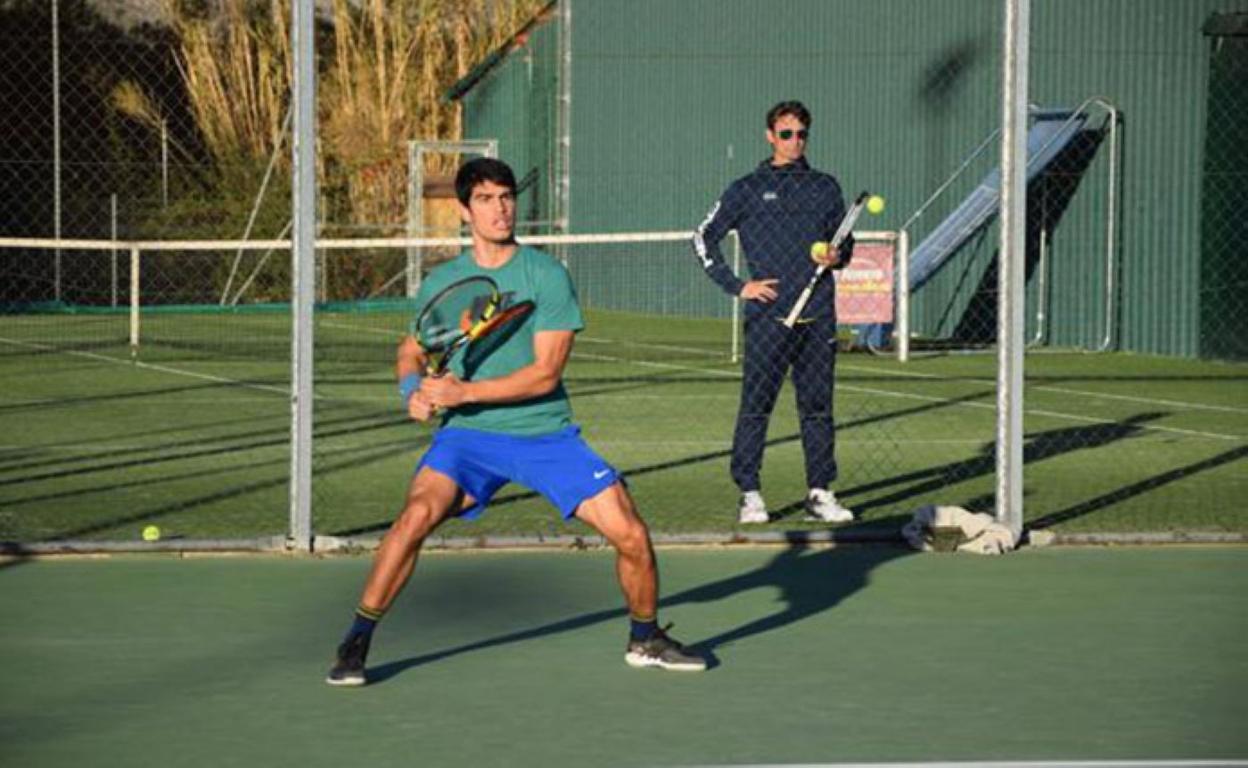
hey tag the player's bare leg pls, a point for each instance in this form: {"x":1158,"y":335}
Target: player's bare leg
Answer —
{"x":431,"y":496}
{"x":613,"y":514}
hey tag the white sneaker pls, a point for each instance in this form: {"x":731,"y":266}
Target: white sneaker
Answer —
{"x":752,"y":509}
{"x":822,"y":505}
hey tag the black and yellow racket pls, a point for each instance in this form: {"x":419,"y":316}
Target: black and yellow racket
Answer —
{"x":838,"y":239}
{"x":459,"y":315}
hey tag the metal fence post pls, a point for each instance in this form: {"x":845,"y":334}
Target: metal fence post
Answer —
{"x":1012,"y":259}
{"x":303,"y":272}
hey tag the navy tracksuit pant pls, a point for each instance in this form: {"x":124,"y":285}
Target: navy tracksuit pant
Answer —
{"x":808,"y":350}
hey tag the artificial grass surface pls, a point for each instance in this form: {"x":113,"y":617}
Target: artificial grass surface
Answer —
{"x":194,"y":436}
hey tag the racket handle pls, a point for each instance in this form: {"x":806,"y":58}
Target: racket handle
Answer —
{"x":838,"y":238}
{"x":803,"y":299}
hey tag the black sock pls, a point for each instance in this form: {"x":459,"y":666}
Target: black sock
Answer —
{"x":642,"y":628}
{"x":365,"y":622}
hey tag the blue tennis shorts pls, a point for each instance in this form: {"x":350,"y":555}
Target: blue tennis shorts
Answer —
{"x":561,"y":466}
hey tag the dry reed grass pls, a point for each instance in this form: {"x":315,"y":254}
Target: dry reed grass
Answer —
{"x":383,"y":67}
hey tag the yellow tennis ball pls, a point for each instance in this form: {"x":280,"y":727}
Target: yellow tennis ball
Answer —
{"x":818,"y":250}
{"x":151,"y":533}
{"x":875,"y":204}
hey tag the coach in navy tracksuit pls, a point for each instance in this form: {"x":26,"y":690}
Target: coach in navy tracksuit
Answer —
{"x":778,"y":211}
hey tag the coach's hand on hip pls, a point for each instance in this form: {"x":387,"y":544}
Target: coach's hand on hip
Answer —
{"x":759,"y":290}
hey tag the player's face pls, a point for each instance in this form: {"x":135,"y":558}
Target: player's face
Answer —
{"x":787,"y":139}
{"x":491,"y":212}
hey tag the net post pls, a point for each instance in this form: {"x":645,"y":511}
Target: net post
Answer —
{"x":903,"y":296}
{"x":415,"y":216}
{"x":134,"y":301}
{"x":736,"y":300}
{"x":112,"y":208}
{"x":1111,"y":212}
{"x":56,"y":145}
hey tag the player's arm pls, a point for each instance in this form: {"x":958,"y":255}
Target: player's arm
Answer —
{"x":410,"y":363}
{"x":551,"y":350}
{"x":409,"y":358}
{"x":722,"y":218}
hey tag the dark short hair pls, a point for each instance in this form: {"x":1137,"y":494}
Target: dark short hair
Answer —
{"x":482,"y":169}
{"x":794,"y":108}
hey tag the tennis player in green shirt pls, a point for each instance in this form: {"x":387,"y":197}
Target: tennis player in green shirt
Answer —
{"x":505,"y":417}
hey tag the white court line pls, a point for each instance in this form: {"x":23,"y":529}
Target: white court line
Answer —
{"x":14,"y":403}
{"x":1063,"y":390}
{"x":586,"y":339}
{"x":1008,"y":764}
{"x":931,"y":399}
{"x":396,"y":335}
{"x":661,"y":366}
{"x":1148,"y":400}
{"x":642,"y":345}
{"x":847,"y":441}
{"x":1042,"y":412}
{"x":148,"y":366}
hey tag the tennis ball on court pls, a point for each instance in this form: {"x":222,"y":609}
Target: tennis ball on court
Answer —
{"x":875,"y":204}
{"x":818,"y":250}
{"x":151,"y":533}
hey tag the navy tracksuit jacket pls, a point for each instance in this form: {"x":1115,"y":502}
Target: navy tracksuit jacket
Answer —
{"x":777,"y":213}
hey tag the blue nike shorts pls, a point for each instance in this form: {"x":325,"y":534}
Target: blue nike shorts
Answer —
{"x":561,"y":466}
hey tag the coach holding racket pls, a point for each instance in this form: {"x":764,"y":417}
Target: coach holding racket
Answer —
{"x":505,"y":416}
{"x":781,"y":211}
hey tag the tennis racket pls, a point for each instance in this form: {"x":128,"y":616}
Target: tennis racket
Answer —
{"x":842,"y":232}
{"x":460,"y":314}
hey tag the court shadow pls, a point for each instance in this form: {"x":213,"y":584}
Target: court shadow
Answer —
{"x":1135,"y":489}
{"x":348,"y":459}
{"x":192,"y":447}
{"x":921,"y":484}
{"x":809,"y":581}
{"x":12,"y":561}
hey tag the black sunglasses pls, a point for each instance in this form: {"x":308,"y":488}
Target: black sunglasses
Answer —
{"x":787,"y":134}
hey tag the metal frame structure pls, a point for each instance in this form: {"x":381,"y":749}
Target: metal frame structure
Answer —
{"x":1111,"y":232}
{"x":416,"y":151}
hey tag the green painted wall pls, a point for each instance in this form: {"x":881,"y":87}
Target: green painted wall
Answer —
{"x":515,"y":103}
{"x":668,"y":103}
{"x":1224,"y":227}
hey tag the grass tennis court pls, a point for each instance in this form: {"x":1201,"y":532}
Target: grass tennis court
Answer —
{"x":194,"y":435}
{"x":514,"y":658}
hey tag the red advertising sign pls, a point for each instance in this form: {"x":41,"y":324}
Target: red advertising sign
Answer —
{"x":864,"y":289}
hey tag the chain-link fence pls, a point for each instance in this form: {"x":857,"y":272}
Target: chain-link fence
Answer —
{"x":154,"y":384}
{"x":1223,"y":306}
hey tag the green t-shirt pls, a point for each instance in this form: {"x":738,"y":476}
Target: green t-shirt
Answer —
{"x":532,"y":275}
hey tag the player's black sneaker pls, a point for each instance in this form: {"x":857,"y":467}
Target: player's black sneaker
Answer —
{"x":349,"y":667}
{"x":663,"y":652}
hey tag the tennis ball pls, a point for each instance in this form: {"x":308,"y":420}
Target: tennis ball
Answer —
{"x":818,"y":250}
{"x":151,"y":533}
{"x":875,"y":204}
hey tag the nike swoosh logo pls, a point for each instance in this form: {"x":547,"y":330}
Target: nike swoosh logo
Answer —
{"x":601,"y":474}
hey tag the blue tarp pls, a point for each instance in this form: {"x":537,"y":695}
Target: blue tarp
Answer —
{"x":1051,"y":131}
